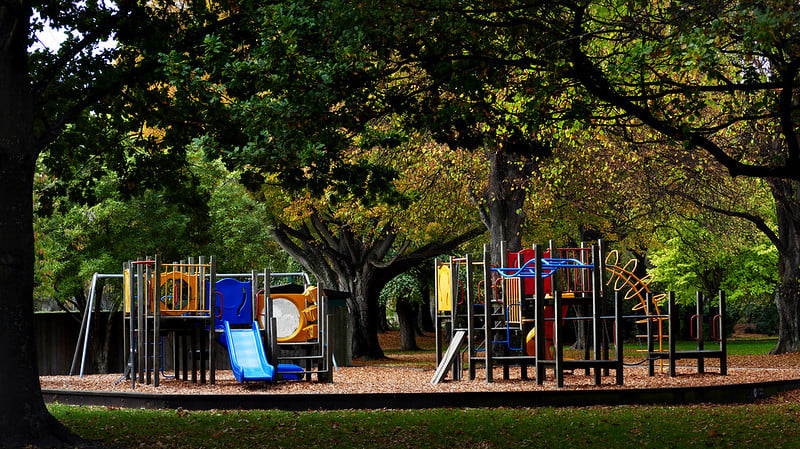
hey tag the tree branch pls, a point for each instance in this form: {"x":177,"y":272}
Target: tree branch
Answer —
{"x":595,"y":82}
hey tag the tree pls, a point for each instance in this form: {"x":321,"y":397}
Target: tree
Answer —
{"x":718,"y":79}
{"x":48,"y":99}
{"x":23,"y":416}
{"x":404,"y":294}
{"x":238,"y":232}
{"x":702,"y":254}
{"x":75,"y":241}
{"x":341,"y":258}
{"x":358,"y":249}
{"x":282,"y":98}
{"x":711,"y":77}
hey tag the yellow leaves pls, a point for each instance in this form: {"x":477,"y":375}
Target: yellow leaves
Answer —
{"x":152,"y":133}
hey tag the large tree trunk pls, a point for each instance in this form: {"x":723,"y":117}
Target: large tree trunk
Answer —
{"x":24,"y":419}
{"x":787,"y":295}
{"x":366,"y":318}
{"x":502,"y":207}
{"x":425,"y":317}
{"x":339,"y":257}
{"x":407,"y":317}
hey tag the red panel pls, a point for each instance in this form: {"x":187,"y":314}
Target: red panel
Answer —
{"x":530,"y":283}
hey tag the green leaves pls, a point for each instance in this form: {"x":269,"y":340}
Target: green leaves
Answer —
{"x":404,"y":287}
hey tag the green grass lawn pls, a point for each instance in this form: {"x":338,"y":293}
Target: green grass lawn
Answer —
{"x":773,"y":426}
{"x":768,"y":425}
{"x":734,"y":347}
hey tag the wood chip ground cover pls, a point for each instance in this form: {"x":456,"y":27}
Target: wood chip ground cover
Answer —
{"x":411,"y":372}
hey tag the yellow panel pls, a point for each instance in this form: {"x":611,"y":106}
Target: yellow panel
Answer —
{"x":444,"y":302}
{"x":513,"y":299}
{"x":126,"y":290}
{"x":299,"y":301}
{"x":310,"y":313}
{"x":180,"y":305}
{"x":311,"y":294}
{"x":306,"y":305}
{"x":311,"y":332}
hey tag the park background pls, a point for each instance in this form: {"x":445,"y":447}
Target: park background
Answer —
{"x":365,"y":138}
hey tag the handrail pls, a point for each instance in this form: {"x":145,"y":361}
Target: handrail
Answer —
{"x":693,"y":327}
{"x":549,"y":266}
{"x":716,"y":335}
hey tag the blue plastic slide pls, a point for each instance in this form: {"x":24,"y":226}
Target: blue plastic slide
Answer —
{"x":248,"y":360}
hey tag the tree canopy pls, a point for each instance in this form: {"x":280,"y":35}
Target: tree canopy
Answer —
{"x":301,"y":94}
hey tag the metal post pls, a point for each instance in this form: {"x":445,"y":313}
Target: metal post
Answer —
{"x":618,"y":336}
{"x":557,"y":348}
{"x":673,"y":332}
{"x":540,"y":339}
{"x":469,"y":300}
{"x":597,"y":325}
{"x":487,"y":311}
{"x":699,"y":329}
{"x":149,"y":343}
{"x":254,"y":312}
{"x":586,"y":284}
{"x":555,"y":278}
{"x":603,"y":303}
{"x":723,"y":339}
{"x":328,"y":350}
{"x":322,"y":333}
{"x":273,"y":351}
{"x":454,"y":314}
{"x":152,"y":294}
{"x":140,"y":321}
{"x":504,"y":301}
{"x":131,"y":324}
{"x":523,"y":312}
{"x":211,"y":295}
{"x":262,"y":313}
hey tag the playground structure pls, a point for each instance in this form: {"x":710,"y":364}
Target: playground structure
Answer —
{"x":169,"y":314}
{"x":514,"y":315}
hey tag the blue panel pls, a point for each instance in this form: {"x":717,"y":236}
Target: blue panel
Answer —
{"x":234,"y":302}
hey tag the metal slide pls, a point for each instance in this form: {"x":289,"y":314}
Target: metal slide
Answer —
{"x":248,"y":360}
{"x":449,"y":356}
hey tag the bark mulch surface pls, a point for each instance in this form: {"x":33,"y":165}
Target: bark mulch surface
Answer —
{"x":411,"y":372}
